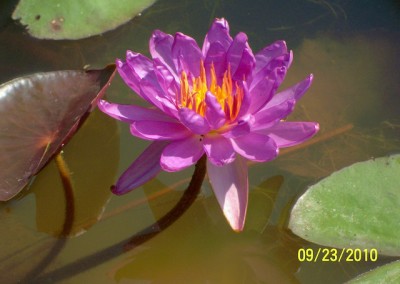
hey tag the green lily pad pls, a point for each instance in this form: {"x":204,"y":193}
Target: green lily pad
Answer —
{"x":389,"y":273}
{"x":356,"y":207}
{"x":76,"y":19}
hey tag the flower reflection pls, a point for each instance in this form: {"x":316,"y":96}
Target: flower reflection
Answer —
{"x":219,"y":100}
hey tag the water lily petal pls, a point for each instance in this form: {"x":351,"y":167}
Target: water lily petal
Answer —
{"x":246,"y":65}
{"x":269,"y":116}
{"x":159,"y":130}
{"x":214,"y":113}
{"x":256,"y":147}
{"x":182,"y":154}
{"x":246,"y":101}
{"x":132,"y":113}
{"x":219,"y":32}
{"x":216,"y":57}
{"x":139,"y":64}
{"x":265,"y":82}
{"x":242,"y":127}
{"x":230,"y":185}
{"x":186,"y":54}
{"x":130,"y":78}
{"x":161,"y":49}
{"x":165,"y":78}
{"x":218,"y":149}
{"x":143,"y":169}
{"x":286,"y":134}
{"x":265,"y":55}
{"x":138,"y":73}
{"x":293,"y":93}
{"x":240,"y":58}
{"x":262,"y":93}
{"x":179,"y":53}
{"x":193,"y":121}
{"x":215,"y":47}
{"x":150,"y":87}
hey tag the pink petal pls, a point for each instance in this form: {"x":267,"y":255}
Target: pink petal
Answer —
{"x":176,"y":53}
{"x":215,"y":47}
{"x":214,"y":113}
{"x":247,"y":98}
{"x":150,"y":88}
{"x":166,"y":79}
{"x":182,"y":154}
{"x":264,"y":56}
{"x":216,"y":56}
{"x":269,"y":116}
{"x":242,"y":127}
{"x":286,"y":134}
{"x":219,"y":32}
{"x":161,"y":49}
{"x":129,"y":77}
{"x":138,"y":73}
{"x":193,"y":121}
{"x":293,"y":93}
{"x":262,"y":94}
{"x":132,"y":113}
{"x":265,"y":82}
{"x":186,"y":54}
{"x":159,"y":130}
{"x":143,"y":169}
{"x":140,"y":65}
{"x":218,"y":149}
{"x":255,"y":147}
{"x":230,"y":185}
{"x":240,"y":57}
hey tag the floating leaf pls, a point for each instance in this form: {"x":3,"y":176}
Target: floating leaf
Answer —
{"x":389,"y":273}
{"x":356,"y":207}
{"x":39,"y":113}
{"x":75,"y":19}
{"x":96,"y":144}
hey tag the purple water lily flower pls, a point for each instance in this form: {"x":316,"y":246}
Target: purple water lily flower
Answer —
{"x":219,"y":100}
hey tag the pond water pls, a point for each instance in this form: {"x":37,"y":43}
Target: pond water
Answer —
{"x":351,"y":47}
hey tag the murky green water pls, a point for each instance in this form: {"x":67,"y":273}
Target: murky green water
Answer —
{"x":352,"y":49}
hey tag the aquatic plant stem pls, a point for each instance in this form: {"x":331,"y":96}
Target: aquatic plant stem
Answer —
{"x":65,"y":176}
{"x":93,"y":260}
{"x":181,"y":207}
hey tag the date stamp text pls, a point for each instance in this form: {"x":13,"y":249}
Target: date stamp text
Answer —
{"x":337,"y":255}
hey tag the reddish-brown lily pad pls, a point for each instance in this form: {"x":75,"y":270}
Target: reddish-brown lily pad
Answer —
{"x":38,"y":115}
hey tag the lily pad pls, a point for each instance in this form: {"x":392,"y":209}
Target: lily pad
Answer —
{"x":356,"y":207}
{"x":95,"y":144}
{"x":76,"y":19}
{"x":389,"y":273}
{"x":39,"y":113}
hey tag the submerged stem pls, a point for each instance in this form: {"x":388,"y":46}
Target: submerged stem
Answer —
{"x":82,"y":264}
{"x":65,"y":176}
{"x":187,"y":199}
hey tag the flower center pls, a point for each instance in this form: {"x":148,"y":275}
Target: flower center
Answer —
{"x":193,"y":92}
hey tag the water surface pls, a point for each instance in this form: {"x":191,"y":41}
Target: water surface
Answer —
{"x":352,"y":49}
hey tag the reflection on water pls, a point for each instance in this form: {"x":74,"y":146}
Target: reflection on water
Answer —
{"x":352,"y":49}
{"x":91,"y":179}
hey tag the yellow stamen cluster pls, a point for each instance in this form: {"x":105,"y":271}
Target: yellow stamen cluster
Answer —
{"x":193,"y":95}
